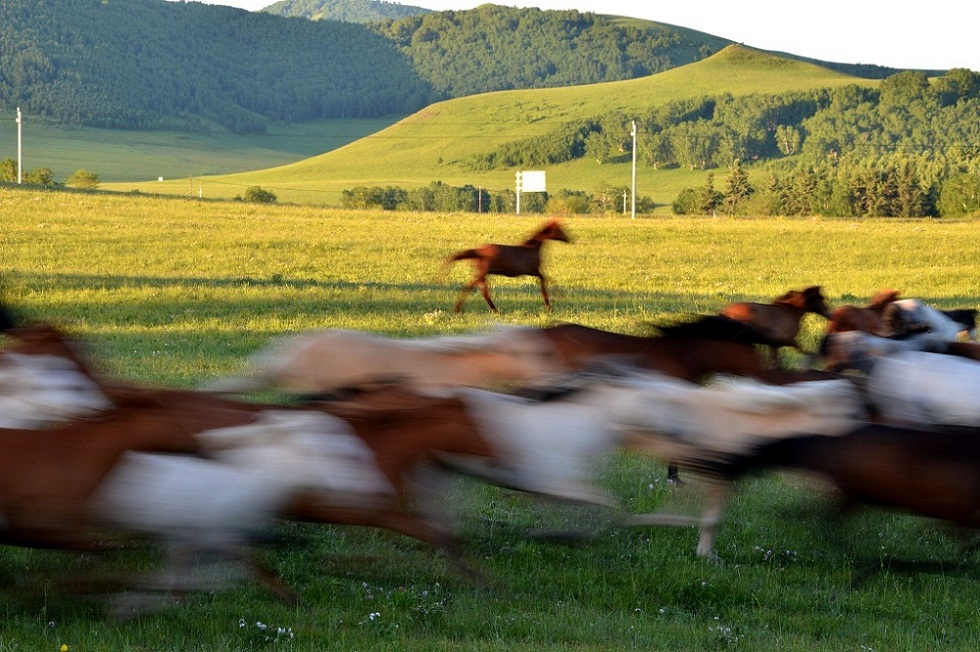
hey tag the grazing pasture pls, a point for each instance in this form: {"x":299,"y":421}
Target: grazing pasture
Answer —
{"x":179,"y":292}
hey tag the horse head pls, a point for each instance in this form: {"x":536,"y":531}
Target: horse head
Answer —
{"x":552,"y":231}
{"x":810,"y":299}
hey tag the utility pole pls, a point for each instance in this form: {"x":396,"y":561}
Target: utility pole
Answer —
{"x":20,"y":149}
{"x":633,"y":202}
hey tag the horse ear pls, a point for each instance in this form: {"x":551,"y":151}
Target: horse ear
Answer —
{"x":812,"y":290}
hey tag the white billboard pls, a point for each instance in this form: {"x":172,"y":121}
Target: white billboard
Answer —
{"x":531,"y":181}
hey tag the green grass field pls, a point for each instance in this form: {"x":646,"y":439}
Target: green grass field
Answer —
{"x":177,"y":291}
{"x":118,"y":155}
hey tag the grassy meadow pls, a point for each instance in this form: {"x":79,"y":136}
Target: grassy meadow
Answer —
{"x":177,"y":291}
{"x":119,"y":155}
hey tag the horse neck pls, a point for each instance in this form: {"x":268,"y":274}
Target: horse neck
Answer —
{"x":795,"y":308}
{"x":534,"y":242}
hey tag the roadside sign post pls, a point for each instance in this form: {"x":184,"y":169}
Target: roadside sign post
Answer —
{"x":529,"y":181}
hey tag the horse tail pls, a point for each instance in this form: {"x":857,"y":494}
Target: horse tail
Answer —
{"x":466,"y":254}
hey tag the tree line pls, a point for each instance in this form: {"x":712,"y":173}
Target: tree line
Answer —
{"x":446,"y":198}
{"x":909,"y":147}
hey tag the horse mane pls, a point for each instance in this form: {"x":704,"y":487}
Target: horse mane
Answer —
{"x":542,"y":233}
{"x":798,"y":298}
{"x":883,"y":298}
{"x":714,"y":327}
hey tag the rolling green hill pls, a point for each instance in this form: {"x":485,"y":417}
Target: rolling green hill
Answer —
{"x":438,"y":142}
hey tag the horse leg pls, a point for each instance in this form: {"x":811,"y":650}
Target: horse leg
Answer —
{"x":711,"y":515}
{"x":485,"y":288}
{"x":544,"y":292}
{"x":465,"y":293}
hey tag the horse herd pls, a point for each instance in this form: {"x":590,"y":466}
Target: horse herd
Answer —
{"x":885,"y":413}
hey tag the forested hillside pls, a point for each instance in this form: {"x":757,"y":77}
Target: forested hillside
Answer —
{"x":148,"y":64}
{"x":352,"y":11}
{"x":499,"y":48}
{"x":144,"y":64}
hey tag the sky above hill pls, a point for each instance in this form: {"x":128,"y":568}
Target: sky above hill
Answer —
{"x":935,"y":35}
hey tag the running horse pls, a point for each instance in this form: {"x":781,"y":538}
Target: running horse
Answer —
{"x":780,"y":320}
{"x":869,"y":319}
{"x":691,"y":350}
{"x":508,"y":260}
{"x":923,"y":470}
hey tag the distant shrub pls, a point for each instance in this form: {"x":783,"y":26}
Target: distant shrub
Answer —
{"x":82,"y":179}
{"x":256,"y":195}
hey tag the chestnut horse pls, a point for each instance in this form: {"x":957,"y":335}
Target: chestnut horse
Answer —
{"x":403,"y":430}
{"x":780,"y":320}
{"x":508,"y":260}
{"x":868,"y":319}
{"x":408,"y":432}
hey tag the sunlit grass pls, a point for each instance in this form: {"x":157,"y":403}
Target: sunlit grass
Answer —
{"x":178,"y":291}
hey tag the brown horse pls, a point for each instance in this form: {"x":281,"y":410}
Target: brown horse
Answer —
{"x":868,"y":319}
{"x":780,"y":320}
{"x":690,"y":351}
{"x":44,"y":498}
{"x":407,"y":433}
{"x":933,"y":473}
{"x":50,"y":480}
{"x":508,"y":260}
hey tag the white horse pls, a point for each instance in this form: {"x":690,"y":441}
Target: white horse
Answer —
{"x":940,"y":323}
{"x":922,"y":389}
{"x":39,"y":391}
{"x":222,"y":503}
{"x":859,"y":351}
{"x":555,"y":446}
{"x":320,"y":362}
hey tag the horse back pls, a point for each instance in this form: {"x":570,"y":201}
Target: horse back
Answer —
{"x":780,"y":323}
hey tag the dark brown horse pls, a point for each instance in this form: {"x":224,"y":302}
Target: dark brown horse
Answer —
{"x":780,"y":320}
{"x":508,"y":260}
{"x":690,"y":351}
{"x":931,"y":473}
